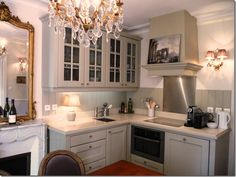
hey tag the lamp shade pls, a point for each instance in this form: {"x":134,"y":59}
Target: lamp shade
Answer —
{"x":210,"y":55}
{"x":71,"y":100}
{"x":221,"y":53}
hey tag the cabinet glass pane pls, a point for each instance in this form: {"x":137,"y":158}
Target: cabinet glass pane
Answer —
{"x":128,"y":63}
{"x":99,"y":43}
{"x":117,"y":75}
{"x":133,"y":50}
{"x":92,"y":58}
{"x":133,"y":63}
{"x":68,"y":36}
{"x":128,"y":76}
{"x":112,"y":45}
{"x":133,"y":76}
{"x":117,"y":46}
{"x":112,"y":75}
{"x":67,"y":54}
{"x":75,"y":55}
{"x":92,"y":46}
{"x":99,"y":75}
{"x":67,"y":74}
{"x":129,"y":49}
{"x":117,"y":61}
{"x":91,"y":74}
{"x":112,"y":60}
{"x":99,"y":58}
{"x":75,"y":73}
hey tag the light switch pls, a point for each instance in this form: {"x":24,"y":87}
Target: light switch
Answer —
{"x":54,"y":107}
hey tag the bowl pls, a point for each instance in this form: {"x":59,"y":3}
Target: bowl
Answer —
{"x":212,"y":125}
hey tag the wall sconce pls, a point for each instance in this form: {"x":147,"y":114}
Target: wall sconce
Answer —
{"x":215,"y":58}
{"x":3,"y":50}
{"x":22,"y":64}
{"x":72,"y":101}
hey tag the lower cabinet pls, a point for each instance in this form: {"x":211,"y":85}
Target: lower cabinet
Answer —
{"x":185,"y":155}
{"x":116,"y":144}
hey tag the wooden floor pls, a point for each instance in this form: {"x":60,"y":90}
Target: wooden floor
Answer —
{"x":124,"y":168}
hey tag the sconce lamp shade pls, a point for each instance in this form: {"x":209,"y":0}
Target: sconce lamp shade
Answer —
{"x":221,"y":53}
{"x":210,"y":55}
{"x":71,"y":100}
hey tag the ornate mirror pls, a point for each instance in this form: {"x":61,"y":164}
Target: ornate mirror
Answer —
{"x":16,"y":63}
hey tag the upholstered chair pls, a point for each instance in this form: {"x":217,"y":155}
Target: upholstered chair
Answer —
{"x":61,"y":163}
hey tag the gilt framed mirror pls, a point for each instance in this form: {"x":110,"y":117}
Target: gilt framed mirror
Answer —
{"x":16,"y":63}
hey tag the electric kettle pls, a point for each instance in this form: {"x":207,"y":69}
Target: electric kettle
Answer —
{"x":223,"y":119}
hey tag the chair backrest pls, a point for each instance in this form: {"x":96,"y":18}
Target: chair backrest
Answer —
{"x":61,"y":163}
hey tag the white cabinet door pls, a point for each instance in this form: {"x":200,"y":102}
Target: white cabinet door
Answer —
{"x":131,"y":63}
{"x":116,"y":144}
{"x":185,"y":155}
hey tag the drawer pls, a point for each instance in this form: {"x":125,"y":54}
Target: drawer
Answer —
{"x":89,"y":168}
{"x":88,"y":137}
{"x":148,"y":163}
{"x":91,"y":152}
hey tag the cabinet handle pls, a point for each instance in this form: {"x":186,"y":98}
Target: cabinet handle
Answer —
{"x":82,"y":83}
{"x":125,"y":84}
{"x":87,"y":83}
{"x":145,"y":162}
{"x":90,"y":168}
{"x":90,"y":147}
{"x":90,"y":136}
{"x":184,"y":139}
{"x":122,"y":84}
{"x":109,"y":132}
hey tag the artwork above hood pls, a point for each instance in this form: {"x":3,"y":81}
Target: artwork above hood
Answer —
{"x":178,"y":23}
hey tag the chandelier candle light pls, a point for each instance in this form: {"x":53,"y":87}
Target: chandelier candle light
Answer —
{"x":87,"y":18}
{"x":215,"y":58}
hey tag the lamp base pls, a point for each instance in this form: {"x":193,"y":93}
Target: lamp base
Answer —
{"x":71,"y":116}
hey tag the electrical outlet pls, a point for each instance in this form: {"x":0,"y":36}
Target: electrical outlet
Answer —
{"x":210,"y":109}
{"x":227,"y":110}
{"x":47,"y":107}
{"x":218,"y":109}
{"x":54,"y":107}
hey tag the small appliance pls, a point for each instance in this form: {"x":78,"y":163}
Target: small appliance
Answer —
{"x":223,"y":119}
{"x":192,"y":111}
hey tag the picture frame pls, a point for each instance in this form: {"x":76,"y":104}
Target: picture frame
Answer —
{"x":164,"y":49}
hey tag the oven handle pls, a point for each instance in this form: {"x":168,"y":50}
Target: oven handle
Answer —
{"x":147,"y":139}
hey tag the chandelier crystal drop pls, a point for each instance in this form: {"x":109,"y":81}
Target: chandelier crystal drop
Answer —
{"x":87,"y":18}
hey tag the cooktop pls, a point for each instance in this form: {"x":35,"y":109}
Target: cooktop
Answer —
{"x":166,"y":121}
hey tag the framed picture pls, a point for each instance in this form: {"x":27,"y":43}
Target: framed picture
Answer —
{"x":21,"y":79}
{"x":164,"y":49}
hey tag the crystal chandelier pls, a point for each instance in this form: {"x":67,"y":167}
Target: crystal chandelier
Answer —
{"x":87,"y":18}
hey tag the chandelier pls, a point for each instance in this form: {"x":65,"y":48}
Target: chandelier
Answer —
{"x":87,"y":18}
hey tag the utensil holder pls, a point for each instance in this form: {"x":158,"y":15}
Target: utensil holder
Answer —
{"x":151,"y":112}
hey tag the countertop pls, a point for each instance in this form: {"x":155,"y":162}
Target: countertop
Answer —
{"x":87,"y":123}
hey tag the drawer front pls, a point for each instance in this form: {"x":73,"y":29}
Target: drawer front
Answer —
{"x":147,"y":163}
{"x":91,"y":152}
{"x":88,"y":137}
{"x":91,"y":167}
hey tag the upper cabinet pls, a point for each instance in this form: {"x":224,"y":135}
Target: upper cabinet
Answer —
{"x":105,"y":65}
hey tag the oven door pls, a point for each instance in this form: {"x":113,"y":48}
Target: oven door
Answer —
{"x":148,"y":143}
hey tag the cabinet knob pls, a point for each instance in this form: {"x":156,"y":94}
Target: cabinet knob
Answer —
{"x":87,"y":83}
{"x":90,"y":147}
{"x":122,"y":84}
{"x":125,"y":84}
{"x":145,"y":162}
{"x":82,"y":83}
{"x":184,"y":139}
{"x":90,"y":168}
{"x":109,"y":132}
{"x":90,"y":136}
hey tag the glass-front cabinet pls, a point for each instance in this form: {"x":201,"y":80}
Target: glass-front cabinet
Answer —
{"x":71,"y":61}
{"x":95,"y":64}
{"x":114,"y":62}
{"x":131,"y":63}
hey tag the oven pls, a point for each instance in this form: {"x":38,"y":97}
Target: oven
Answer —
{"x":148,"y":143}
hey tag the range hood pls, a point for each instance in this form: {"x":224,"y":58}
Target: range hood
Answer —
{"x":182,"y":23}
{"x":172,"y":69}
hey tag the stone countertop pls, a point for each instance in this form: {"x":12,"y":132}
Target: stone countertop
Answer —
{"x":89,"y":123}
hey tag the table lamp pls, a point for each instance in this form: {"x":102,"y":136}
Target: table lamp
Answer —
{"x":71,"y":101}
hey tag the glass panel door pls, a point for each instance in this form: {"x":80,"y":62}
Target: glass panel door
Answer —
{"x":131,"y":58}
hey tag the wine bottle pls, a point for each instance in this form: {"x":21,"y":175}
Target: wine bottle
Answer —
{"x":6,"y":109}
{"x":12,"y":113}
{"x":130,"y":106}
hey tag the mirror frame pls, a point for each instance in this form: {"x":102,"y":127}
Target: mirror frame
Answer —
{"x":6,"y":16}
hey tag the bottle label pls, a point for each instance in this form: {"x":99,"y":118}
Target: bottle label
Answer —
{"x":12,"y":119}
